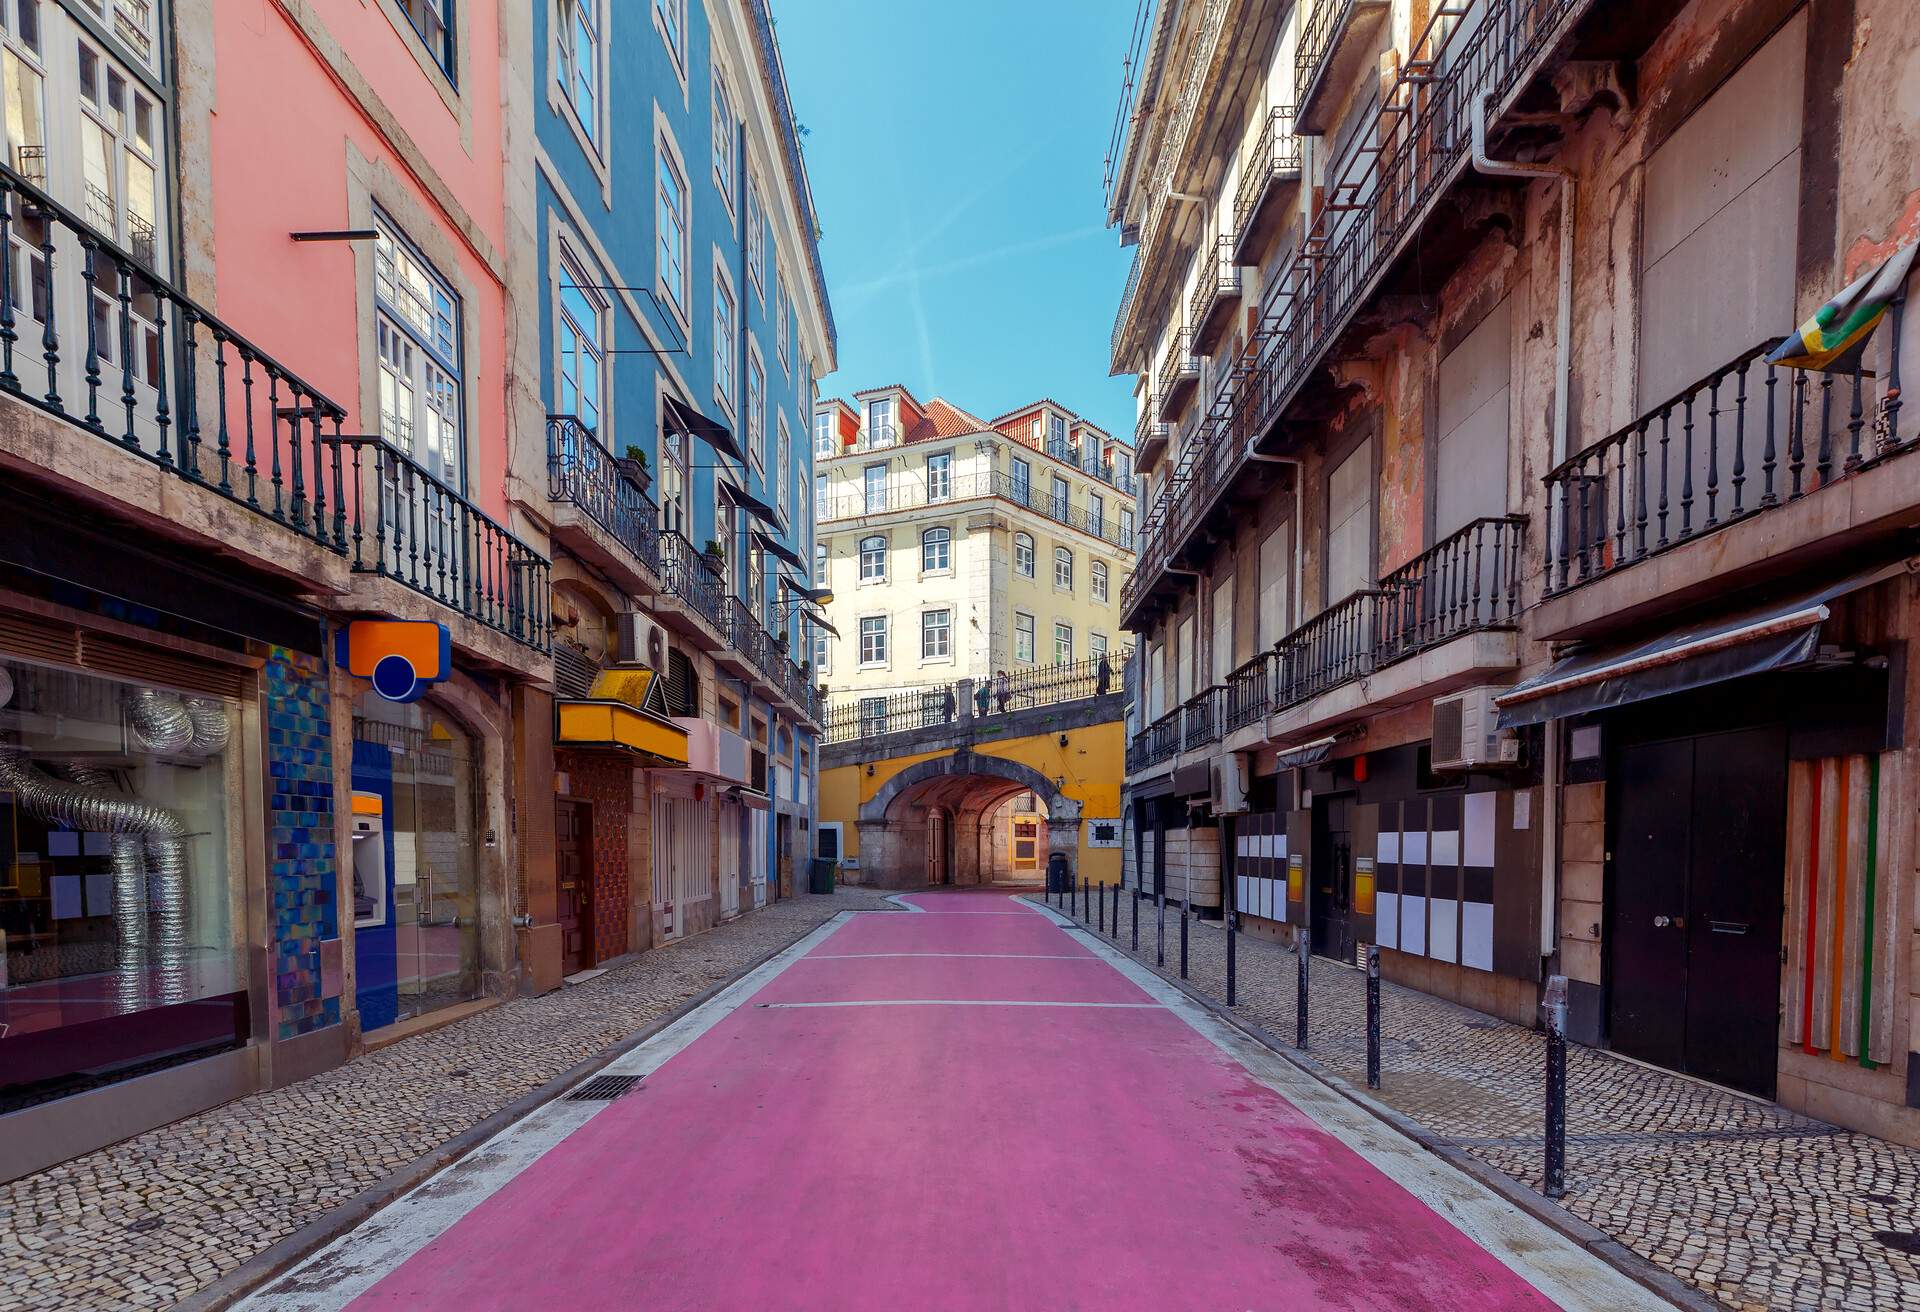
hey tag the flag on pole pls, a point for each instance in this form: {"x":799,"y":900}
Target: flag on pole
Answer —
{"x":1836,"y":334}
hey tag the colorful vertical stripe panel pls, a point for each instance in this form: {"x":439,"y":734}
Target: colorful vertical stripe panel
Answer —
{"x":1838,"y":986}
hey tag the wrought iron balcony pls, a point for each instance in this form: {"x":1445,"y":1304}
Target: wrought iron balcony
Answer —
{"x":1334,"y":43}
{"x":1163,"y":738}
{"x":850,"y":716}
{"x":1250,"y":691}
{"x":1747,"y":438}
{"x":1204,"y":711}
{"x":692,"y":578}
{"x":410,"y":526}
{"x":1179,"y":375}
{"x":1150,"y":437}
{"x":1469,"y":580}
{"x":580,"y":472}
{"x":1270,"y":175}
{"x":161,"y":378}
{"x":1215,"y":295}
{"x":856,"y":502}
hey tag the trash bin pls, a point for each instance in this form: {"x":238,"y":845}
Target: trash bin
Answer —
{"x":820,"y":879}
{"x":1059,"y":874}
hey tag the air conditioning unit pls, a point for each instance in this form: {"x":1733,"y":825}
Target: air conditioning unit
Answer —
{"x":1230,"y":784}
{"x":1464,"y":736}
{"x":643,"y":641}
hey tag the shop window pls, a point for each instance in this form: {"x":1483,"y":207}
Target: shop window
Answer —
{"x":121,"y":931}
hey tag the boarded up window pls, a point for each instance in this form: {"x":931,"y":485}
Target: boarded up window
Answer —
{"x":1276,"y":579}
{"x":1350,"y":524}
{"x":1470,"y":457}
{"x":1222,"y":645}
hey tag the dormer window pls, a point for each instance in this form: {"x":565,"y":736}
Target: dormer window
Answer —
{"x":880,"y":428}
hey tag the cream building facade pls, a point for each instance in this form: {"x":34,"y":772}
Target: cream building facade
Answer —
{"x":957,"y":548}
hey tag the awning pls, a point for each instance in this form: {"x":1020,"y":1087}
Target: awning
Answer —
{"x":751,"y":798}
{"x":748,"y":502}
{"x":683,"y":418}
{"x":1310,"y":753}
{"x":606,"y":725}
{"x":820,"y":621}
{"x":767,"y":543}
{"x":1774,"y":636}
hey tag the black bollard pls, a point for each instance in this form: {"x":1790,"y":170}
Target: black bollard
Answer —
{"x":1103,"y":908}
{"x":1373,"y":1016}
{"x":1302,"y":941}
{"x":1136,"y":920}
{"x":1086,"y":902}
{"x":1233,"y":921}
{"x":1184,"y":908}
{"x":1160,"y":928}
{"x":1555,"y":1012}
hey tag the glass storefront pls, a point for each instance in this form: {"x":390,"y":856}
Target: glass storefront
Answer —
{"x":121,"y":909}
{"x":416,"y":855}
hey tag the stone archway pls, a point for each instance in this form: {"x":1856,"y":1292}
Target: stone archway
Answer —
{"x":965,"y":787}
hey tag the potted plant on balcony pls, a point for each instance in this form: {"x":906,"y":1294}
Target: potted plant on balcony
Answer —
{"x":716,"y":554}
{"x":633,"y":468}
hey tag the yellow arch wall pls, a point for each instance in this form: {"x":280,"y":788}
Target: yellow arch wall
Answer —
{"x":1090,"y":763}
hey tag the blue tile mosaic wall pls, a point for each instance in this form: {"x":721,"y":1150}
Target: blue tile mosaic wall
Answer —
{"x":301,"y":858}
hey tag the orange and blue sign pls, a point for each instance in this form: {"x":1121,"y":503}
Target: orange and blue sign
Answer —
{"x":402,"y":658}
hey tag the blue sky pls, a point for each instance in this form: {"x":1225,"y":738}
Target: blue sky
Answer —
{"x":955,"y":153}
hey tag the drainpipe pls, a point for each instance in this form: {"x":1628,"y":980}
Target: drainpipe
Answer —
{"x":1562,"y":387}
{"x":1299,"y":508}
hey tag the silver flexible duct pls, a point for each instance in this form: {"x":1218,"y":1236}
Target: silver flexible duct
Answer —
{"x":211,"y":729}
{"x":160,"y":720}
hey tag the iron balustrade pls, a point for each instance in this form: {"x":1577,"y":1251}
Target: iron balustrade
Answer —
{"x":1250,"y":691}
{"x":89,"y":332}
{"x":692,"y":577}
{"x":1163,"y":737}
{"x":1332,"y":648}
{"x":857,"y":502}
{"x":1178,"y":371}
{"x":1219,"y":281}
{"x":1315,"y":39}
{"x":1469,"y":580}
{"x":854,"y":716}
{"x":1746,"y":438}
{"x":1374,"y":204}
{"x":1203,"y":717}
{"x":1137,"y":752}
{"x":411,"y":527}
{"x":582,"y":473}
{"x":1275,"y":155}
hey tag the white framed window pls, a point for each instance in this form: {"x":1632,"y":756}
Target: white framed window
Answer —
{"x":1023,"y":555}
{"x":1062,"y":643}
{"x":821,"y":510}
{"x":819,"y":562}
{"x":672,"y":222}
{"x":670,"y":17}
{"x":581,"y":324}
{"x":936,"y":634}
{"x":874,"y":483}
{"x":1063,"y":569}
{"x":725,"y":135}
{"x":940,"y":477}
{"x":782,"y":329}
{"x":783,"y":465}
{"x":1056,"y":433}
{"x":756,"y":237}
{"x":822,"y":653}
{"x":936,"y":550}
{"x":1099,"y":572}
{"x":1097,"y":514}
{"x":725,"y":308}
{"x":756,"y":407}
{"x":431,"y":20}
{"x":1023,"y":637}
{"x":873,"y":640}
{"x":1022,"y":481}
{"x":1126,"y":528}
{"x":577,"y":42}
{"x":873,"y":559}
{"x":417,"y":329}
{"x":673,"y":481}
{"x":1096,"y":646}
{"x":880,"y":421}
{"x":823,"y":435}
{"x":1062,"y":498}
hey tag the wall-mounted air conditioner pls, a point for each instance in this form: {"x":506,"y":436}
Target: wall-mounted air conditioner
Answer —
{"x":1230,"y":783}
{"x":1464,"y":732}
{"x":643,"y":641}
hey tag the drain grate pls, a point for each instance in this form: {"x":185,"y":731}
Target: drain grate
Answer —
{"x":1901,"y":1241}
{"x":604,"y":1088}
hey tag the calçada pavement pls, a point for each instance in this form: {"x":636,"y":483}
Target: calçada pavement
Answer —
{"x":975,"y":1107}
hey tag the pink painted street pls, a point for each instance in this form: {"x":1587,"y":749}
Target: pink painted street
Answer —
{"x":969,"y":1107}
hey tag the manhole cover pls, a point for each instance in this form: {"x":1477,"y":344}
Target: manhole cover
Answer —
{"x":604,"y":1088}
{"x":1904,"y":1241}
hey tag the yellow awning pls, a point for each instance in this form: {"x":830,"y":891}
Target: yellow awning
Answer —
{"x":615,"y":726}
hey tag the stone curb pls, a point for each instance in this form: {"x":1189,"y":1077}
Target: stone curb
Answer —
{"x":280,"y":1257}
{"x":1591,"y":1238}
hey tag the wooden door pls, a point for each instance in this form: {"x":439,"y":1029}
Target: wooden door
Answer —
{"x":573,"y":868}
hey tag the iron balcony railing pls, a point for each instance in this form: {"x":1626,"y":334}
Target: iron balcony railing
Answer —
{"x":1203,"y":720}
{"x":410,"y":526}
{"x":1381,"y":195}
{"x":1468,"y":580}
{"x":1163,"y":737}
{"x":856,"y":502}
{"x":851,"y":715}
{"x":1315,"y":40}
{"x":1333,"y":647}
{"x":1250,"y":692}
{"x":881,"y":437}
{"x":1746,"y":438}
{"x":1217,"y":285}
{"x":1275,"y":156}
{"x":1179,"y":371}
{"x":90,"y":333}
{"x":581,"y":472}
{"x":692,"y":577}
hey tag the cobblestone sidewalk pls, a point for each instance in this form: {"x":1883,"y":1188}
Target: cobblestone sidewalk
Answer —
{"x":1755,"y":1205}
{"x":151,"y":1220}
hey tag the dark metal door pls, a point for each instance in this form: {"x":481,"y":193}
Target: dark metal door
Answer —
{"x":1648,"y":937}
{"x":1734,"y":908}
{"x":1332,"y":872}
{"x":573,"y":848}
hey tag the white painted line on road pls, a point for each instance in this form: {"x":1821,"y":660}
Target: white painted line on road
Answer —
{"x":1553,"y":1264}
{"x":903,"y":904}
{"x":962,"y":1002}
{"x":964,"y":956}
{"x":352,"y":1264}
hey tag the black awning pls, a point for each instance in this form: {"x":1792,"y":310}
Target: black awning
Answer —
{"x":774,"y":548}
{"x":1193,"y":780}
{"x":1310,"y":753}
{"x":821,"y":621}
{"x":747,"y":501}
{"x":683,"y":418}
{"x":1773,"y":636}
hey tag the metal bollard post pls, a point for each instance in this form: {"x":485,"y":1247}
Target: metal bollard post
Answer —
{"x":1103,"y":908}
{"x":1160,"y":922}
{"x":1554,"y":1010}
{"x":1233,"y":922}
{"x":1302,"y":941}
{"x":1136,"y":920}
{"x":1373,"y":1016}
{"x":1085,"y":903}
{"x":1184,"y":908}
